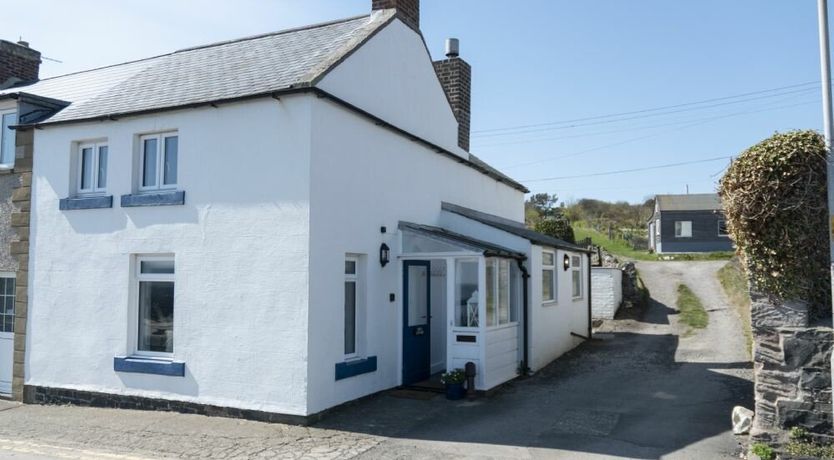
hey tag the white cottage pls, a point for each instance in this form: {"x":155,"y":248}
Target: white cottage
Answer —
{"x":272,"y":226}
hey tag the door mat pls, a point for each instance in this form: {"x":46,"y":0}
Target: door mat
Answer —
{"x":413,"y":394}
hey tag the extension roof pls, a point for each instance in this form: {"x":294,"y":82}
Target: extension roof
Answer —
{"x":694,"y":202}
{"x":512,"y":227}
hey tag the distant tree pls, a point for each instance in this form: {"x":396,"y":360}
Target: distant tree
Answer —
{"x":540,"y":206}
{"x":557,"y":226}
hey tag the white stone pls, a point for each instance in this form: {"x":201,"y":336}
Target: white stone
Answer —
{"x":742,"y":420}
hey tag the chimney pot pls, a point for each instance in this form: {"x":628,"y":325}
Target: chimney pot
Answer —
{"x":452,"y":48}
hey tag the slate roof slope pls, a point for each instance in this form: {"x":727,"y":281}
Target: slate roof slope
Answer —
{"x":512,"y":227}
{"x":693,"y":202}
{"x":222,"y":71}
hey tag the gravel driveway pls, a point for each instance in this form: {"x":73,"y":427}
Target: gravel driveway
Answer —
{"x":637,"y":391}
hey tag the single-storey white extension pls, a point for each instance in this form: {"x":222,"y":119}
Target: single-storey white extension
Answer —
{"x":272,"y":226}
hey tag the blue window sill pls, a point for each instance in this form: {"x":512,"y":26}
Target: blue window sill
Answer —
{"x":86,"y":202}
{"x":356,"y":367}
{"x":143,"y":365}
{"x":171,"y":198}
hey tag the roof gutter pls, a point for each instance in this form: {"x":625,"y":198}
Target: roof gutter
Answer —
{"x":301,"y":89}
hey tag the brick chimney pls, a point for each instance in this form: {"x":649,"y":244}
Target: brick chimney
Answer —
{"x":408,"y":11}
{"x":18,"y":63}
{"x":455,"y":76}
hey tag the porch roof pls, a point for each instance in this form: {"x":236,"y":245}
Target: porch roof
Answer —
{"x":488,"y":249}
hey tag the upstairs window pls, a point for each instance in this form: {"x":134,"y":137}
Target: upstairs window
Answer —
{"x":7,"y":139}
{"x":683,"y":229}
{"x":351,"y":280}
{"x":92,"y":168}
{"x":158,"y":161}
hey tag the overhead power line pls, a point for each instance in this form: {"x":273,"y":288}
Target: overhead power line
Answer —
{"x":624,"y":171}
{"x":608,"y":119}
{"x":690,"y":124}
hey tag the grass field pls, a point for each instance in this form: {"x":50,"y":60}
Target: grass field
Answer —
{"x":622,"y":249}
{"x":734,"y":282}
{"x":692,"y":312}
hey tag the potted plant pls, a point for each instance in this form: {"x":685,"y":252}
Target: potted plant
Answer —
{"x":454,"y":383}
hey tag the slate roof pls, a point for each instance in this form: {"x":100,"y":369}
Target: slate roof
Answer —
{"x":457,"y":239}
{"x":229,"y":70}
{"x":693,"y":202}
{"x":512,"y":227}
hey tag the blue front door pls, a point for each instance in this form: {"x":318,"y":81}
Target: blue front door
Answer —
{"x":416,"y":320}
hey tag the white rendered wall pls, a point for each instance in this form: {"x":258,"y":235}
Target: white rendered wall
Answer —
{"x":366,"y":177}
{"x":606,"y":292}
{"x":392,"y":76}
{"x":241,"y":248}
{"x":551,"y":323}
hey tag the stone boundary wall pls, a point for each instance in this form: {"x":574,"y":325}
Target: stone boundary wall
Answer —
{"x":792,"y":368}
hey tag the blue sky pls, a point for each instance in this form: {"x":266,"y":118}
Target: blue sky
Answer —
{"x":535,"y":65}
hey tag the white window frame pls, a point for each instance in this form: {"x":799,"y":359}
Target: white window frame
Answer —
{"x":679,"y":226}
{"x":496,"y":288}
{"x":723,"y":235}
{"x":95,"y":189}
{"x":576,"y":268}
{"x":138,"y":277}
{"x":10,"y":165}
{"x":160,"y":162}
{"x":553,"y":279}
{"x":352,"y":278}
{"x":11,"y":276}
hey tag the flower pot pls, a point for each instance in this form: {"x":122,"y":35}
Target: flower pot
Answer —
{"x":455,"y":391}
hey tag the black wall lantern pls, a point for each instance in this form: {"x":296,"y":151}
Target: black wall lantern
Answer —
{"x":384,"y":254}
{"x":566,"y":262}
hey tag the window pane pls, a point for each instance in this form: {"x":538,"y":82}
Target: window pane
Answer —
{"x":466,"y":293}
{"x":547,"y":285}
{"x":86,"y":168}
{"x":418,"y":302}
{"x":577,"y":283}
{"x":7,"y":137}
{"x":491,"y":287}
{"x":102,"y":167}
{"x":149,"y":163}
{"x":350,"y":267}
{"x":156,"y":316}
{"x":8,"y":323}
{"x":157,"y":266}
{"x":547,"y":258}
{"x":350,"y":317}
{"x":575,"y":261}
{"x":170,"y":167}
{"x":9,"y":286}
{"x":503,"y":291}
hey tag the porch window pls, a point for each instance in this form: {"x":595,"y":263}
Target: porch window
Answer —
{"x":576,"y":276}
{"x":7,"y":139}
{"x":155,"y":284}
{"x":497,"y":291}
{"x":351,"y":279}
{"x":683,"y":229}
{"x":548,"y":276}
{"x":466,"y":293}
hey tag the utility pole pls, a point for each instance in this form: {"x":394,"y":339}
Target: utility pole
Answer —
{"x":825,"y":72}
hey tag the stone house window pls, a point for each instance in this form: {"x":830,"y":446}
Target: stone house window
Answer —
{"x":154,"y":285}
{"x":92,"y":168}
{"x":548,"y":276}
{"x":158,"y":161}
{"x":683,"y":229}
{"x":576,"y":276}
{"x":7,"y":139}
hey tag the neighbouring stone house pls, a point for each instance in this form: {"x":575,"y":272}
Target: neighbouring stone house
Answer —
{"x":19,"y":65}
{"x":272,"y":226}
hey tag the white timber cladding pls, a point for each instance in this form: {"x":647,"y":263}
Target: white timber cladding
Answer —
{"x":241,"y":258}
{"x":606,"y":292}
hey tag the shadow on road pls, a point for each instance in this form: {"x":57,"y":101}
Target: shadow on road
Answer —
{"x":625,"y":395}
